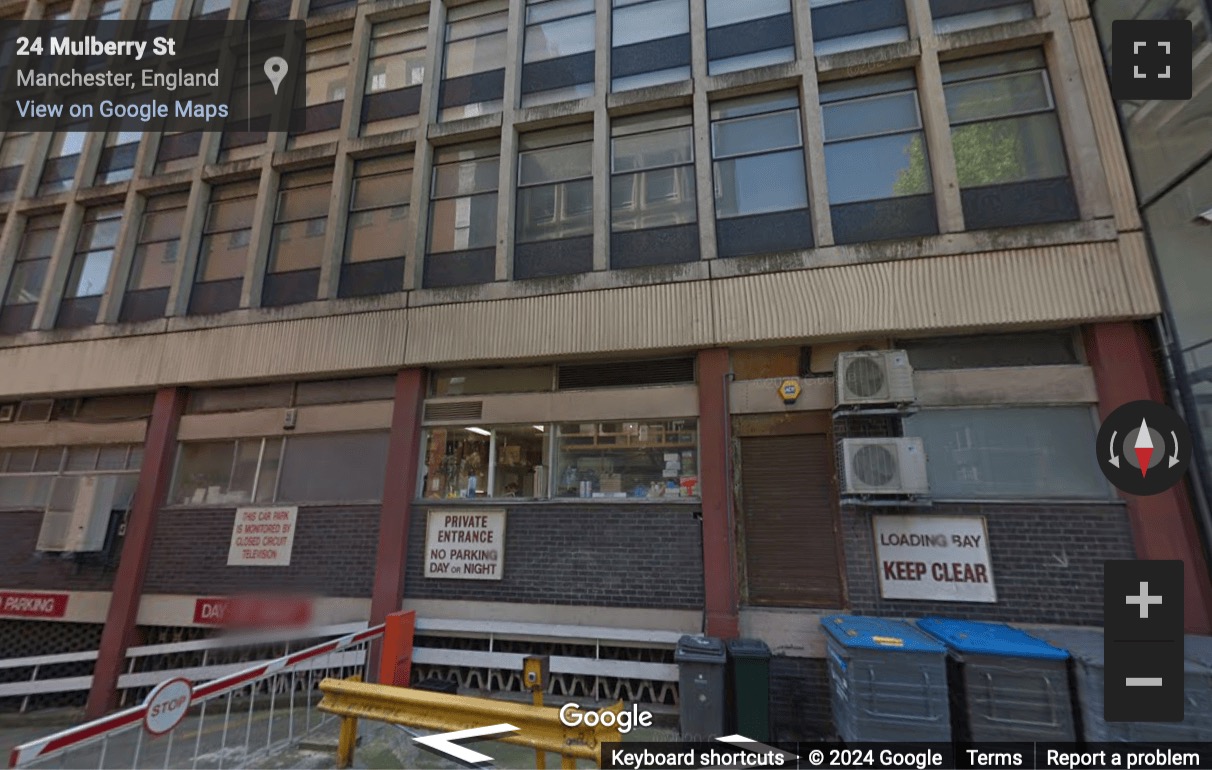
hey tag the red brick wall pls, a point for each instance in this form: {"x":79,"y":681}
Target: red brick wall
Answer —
{"x":23,"y":567}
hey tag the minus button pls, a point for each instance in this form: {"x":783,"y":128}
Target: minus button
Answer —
{"x":1143,"y":681}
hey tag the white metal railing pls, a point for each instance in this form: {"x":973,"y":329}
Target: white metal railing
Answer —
{"x":231,"y":720}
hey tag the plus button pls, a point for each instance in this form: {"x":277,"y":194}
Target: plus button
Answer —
{"x":1144,"y":600}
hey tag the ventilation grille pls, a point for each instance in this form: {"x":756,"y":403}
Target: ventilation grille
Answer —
{"x":617,"y":374}
{"x":454,"y":410}
{"x":876,"y":466}
{"x":864,"y":377}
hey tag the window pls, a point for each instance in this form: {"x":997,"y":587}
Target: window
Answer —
{"x":177,"y":151}
{"x":239,"y":398}
{"x":14,"y":154}
{"x":749,"y":34}
{"x":1008,"y":150}
{"x":327,"y":71}
{"x":468,"y":382}
{"x":334,"y":467}
{"x":652,"y":188}
{"x":89,"y":272}
{"x":155,"y":260}
{"x":227,"y":472}
{"x":60,"y":169}
{"x":245,"y":113}
{"x":29,"y":474}
{"x":1012,"y":453}
{"x":117,"y":162}
{"x":875,"y":159}
{"x":29,"y":273}
{"x":954,"y":15}
{"x":106,"y":10}
{"x":377,"y":230}
{"x":555,"y":203}
{"x":296,"y":247}
{"x":761,"y":193}
{"x":489,"y":461}
{"x":641,"y":459}
{"x":223,"y":254}
{"x":211,"y":9}
{"x":845,"y":25}
{"x":650,"y":42}
{"x":463,"y":215}
{"x":557,"y":59}
{"x":1051,"y":348}
{"x":156,"y":10}
{"x":473,"y":78}
{"x":395,"y":70}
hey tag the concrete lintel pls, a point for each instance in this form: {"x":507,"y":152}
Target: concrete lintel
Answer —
{"x":868,"y":61}
{"x":648,"y":99}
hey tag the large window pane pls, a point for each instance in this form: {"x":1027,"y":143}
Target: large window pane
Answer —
{"x":658,"y":148}
{"x":1010,"y":453}
{"x":756,"y":134}
{"x":641,"y":459}
{"x":871,"y":117}
{"x":563,"y":37}
{"x":1011,"y":150}
{"x":873,"y":169}
{"x":457,"y":224}
{"x":343,"y":467}
{"x":760,"y":183}
{"x":997,"y":97}
{"x":485,"y":461}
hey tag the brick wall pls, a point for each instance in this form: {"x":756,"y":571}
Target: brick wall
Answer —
{"x":333,"y":555}
{"x":603,"y":555}
{"x":1047,"y":563}
{"x":23,"y":567}
{"x":800,"y":709}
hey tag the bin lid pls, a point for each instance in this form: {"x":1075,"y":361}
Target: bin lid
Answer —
{"x":1084,"y":644}
{"x":748,"y":648}
{"x":977,"y":638}
{"x":860,"y":631}
{"x":699,"y":649}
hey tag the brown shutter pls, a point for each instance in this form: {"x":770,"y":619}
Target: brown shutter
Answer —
{"x":790,"y":532}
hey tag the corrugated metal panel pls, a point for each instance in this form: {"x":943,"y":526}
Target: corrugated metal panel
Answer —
{"x":637,"y":318}
{"x":1106,"y":126}
{"x":791,"y":547}
{"x":454,"y":410}
{"x":1025,"y":286}
{"x":324,"y":344}
{"x":1138,"y":270}
{"x":122,"y":362}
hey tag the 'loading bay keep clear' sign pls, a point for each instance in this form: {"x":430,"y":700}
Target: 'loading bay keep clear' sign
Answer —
{"x":466,"y":544}
{"x":934,"y":558}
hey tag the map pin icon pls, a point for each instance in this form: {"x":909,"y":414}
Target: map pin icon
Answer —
{"x":275,"y":70}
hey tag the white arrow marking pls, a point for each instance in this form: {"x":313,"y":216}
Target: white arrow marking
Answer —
{"x":1174,"y":457}
{"x":750,"y":744}
{"x":1063,"y":559}
{"x":1114,"y":457}
{"x":445,"y":742}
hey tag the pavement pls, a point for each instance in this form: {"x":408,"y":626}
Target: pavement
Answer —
{"x":380,"y":746}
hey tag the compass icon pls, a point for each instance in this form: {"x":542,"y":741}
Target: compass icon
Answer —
{"x":1144,"y":448}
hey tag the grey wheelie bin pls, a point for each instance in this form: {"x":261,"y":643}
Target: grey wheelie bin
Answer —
{"x":888,"y":681}
{"x":701,"y":662}
{"x":1006,"y":685}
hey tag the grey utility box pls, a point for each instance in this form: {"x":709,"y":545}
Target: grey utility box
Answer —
{"x":701,"y":667}
{"x":888,"y":681}
{"x":1006,"y":685}
{"x":1085,"y":646}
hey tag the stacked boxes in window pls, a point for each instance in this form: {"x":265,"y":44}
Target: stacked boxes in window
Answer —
{"x":1007,"y":684}
{"x":888,"y":681}
{"x":1085,"y":646}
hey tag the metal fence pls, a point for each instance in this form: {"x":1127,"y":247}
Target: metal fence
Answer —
{"x":231,"y":721}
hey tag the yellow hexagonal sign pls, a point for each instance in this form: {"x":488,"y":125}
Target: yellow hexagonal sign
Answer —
{"x":789,"y":391}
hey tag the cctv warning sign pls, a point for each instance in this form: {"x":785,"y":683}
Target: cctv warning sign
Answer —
{"x":262,"y":537}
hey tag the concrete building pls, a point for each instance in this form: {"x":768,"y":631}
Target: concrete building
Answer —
{"x":543,"y":269}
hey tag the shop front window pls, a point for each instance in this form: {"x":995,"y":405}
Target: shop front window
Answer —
{"x":485,"y":461}
{"x":644,"y":459}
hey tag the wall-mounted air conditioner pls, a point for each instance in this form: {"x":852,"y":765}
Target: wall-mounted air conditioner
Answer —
{"x":873,"y":377}
{"x":884,"y":466}
{"x":77,"y":520}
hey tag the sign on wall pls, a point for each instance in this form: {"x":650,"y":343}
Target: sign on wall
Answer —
{"x":24,"y":604}
{"x":253,"y":611}
{"x":262,"y":537}
{"x":466,"y":544}
{"x":934,"y":558}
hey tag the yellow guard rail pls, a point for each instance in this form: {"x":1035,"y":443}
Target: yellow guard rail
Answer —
{"x":539,"y":727}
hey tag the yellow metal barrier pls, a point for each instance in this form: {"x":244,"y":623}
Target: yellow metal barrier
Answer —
{"x":538,"y":727}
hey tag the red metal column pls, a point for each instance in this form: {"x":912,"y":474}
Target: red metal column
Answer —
{"x":403,"y":458}
{"x":154,"y":478}
{"x":1163,"y":526}
{"x":719,"y":557}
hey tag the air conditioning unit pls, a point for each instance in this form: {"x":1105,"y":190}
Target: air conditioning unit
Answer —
{"x":82,"y":526}
{"x":873,"y":377}
{"x":884,"y":466}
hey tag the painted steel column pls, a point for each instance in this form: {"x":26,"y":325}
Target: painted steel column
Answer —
{"x":1163,"y":526}
{"x":154,"y":478}
{"x":400,"y":489}
{"x":719,"y":557}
